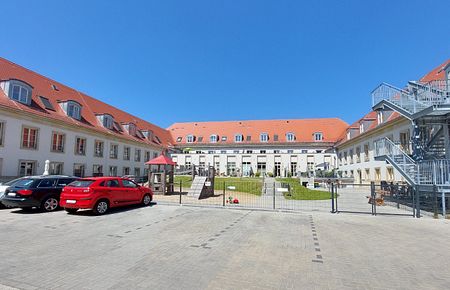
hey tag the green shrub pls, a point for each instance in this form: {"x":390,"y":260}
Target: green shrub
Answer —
{"x":257,"y":174}
{"x":270,"y":174}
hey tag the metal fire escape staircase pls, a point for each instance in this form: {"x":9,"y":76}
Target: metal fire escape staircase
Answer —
{"x":427,"y":106}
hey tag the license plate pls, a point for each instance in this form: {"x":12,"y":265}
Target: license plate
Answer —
{"x":71,"y":201}
{"x":11,"y":194}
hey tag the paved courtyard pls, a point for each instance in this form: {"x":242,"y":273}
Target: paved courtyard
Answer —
{"x":173,"y":247}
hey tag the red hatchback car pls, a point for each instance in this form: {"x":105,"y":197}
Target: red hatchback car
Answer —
{"x":102,"y":193}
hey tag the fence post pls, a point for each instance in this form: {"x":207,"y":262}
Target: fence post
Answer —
{"x":274,"y":195}
{"x":373,"y":196}
{"x":181,"y":189}
{"x":444,"y":210}
{"x":336,"y":197}
{"x":417,"y":192}
{"x":224,"y":192}
{"x":435,"y":200}
{"x":332,"y":198}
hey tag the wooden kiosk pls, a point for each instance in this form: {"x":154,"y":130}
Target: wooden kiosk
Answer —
{"x":160,"y":174}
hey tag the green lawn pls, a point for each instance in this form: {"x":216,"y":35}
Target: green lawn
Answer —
{"x":249,"y":185}
{"x":300,"y":192}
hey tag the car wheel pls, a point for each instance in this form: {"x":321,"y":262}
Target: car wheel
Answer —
{"x":146,"y":200}
{"x":71,"y":210}
{"x":101,"y":207}
{"x":51,"y":203}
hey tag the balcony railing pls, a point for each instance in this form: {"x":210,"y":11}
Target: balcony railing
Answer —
{"x":398,"y":97}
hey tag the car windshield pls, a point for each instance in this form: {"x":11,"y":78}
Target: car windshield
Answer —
{"x":24,"y":183}
{"x":81,"y":183}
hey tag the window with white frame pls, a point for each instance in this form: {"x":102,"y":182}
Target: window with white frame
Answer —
{"x":19,"y":91}
{"x":78,"y":170}
{"x":137,"y":155}
{"x":72,"y":109}
{"x":106,"y":120}
{"x":56,"y":168}
{"x":98,"y":151}
{"x":190,"y":138}
{"x":264,"y":137}
{"x":131,"y":128}
{"x":380,"y":117}
{"x":80,"y":146}
{"x":137,"y":171}
{"x":2,"y":133}
{"x":213,"y":138}
{"x":113,"y":171}
{"x":58,"y":140}
{"x":238,"y":138}
{"x":114,"y":151}
{"x":318,"y":136}
{"x":126,"y":153}
{"x":126,"y":171}
{"x":97,"y":170}
{"x":146,"y":156}
{"x":290,"y":137}
{"x":29,"y":138}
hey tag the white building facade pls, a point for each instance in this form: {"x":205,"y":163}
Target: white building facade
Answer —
{"x":356,"y":156}
{"x":41,"y":120}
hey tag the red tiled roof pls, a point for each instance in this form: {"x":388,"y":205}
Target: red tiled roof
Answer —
{"x":437,"y":73}
{"x":372,"y":116}
{"x":42,"y":86}
{"x":331,"y":128}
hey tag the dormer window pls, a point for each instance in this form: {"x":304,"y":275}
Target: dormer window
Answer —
{"x":224,"y":138}
{"x":380,"y":117}
{"x":213,"y":138}
{"x":17,"y":91}
{"x":349,"y":135}
{"x":190,"y":138}
{"x":290,"y":137}
{"x":318,"y":136}
{"x":131,"y":128}
{"x":179,"y":139}
{"x":200,"y":139}
{"x":264,"y":137}
{"x":361,"y":128}
{"x":148,"y":134}
{"x":106,"y":120}
{"x":238,"y":138}
{"x":72,"y":109}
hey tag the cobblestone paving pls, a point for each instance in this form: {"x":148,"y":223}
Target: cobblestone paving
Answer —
{"x":173,"y":247}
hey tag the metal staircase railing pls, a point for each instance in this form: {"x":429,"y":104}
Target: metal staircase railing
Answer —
{"x":398,"y":97}
{"x":398,"y":158}
{"x":431,"y":93}
{"x":435,"y":172}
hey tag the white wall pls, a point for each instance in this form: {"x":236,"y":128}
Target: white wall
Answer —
{"x":11,"y":153}
{"x":344,"y":166}
{"x":270,"y":158}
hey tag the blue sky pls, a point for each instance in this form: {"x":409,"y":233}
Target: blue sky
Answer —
{"x":228,"y":60}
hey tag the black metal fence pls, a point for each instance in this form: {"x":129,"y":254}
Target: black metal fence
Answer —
{"x":374,"y":199}
{"x":251,"y":194}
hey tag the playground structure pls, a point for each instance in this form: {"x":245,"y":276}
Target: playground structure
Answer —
{"x":160,"y":174}
{"x":202,"y":180}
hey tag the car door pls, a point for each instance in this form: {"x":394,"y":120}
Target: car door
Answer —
{"x":130,"y":191}
{"x":45,"y":188}
{"x":114,"y":191}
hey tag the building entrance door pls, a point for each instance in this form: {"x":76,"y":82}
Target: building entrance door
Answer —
{"x":277,"y":169}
